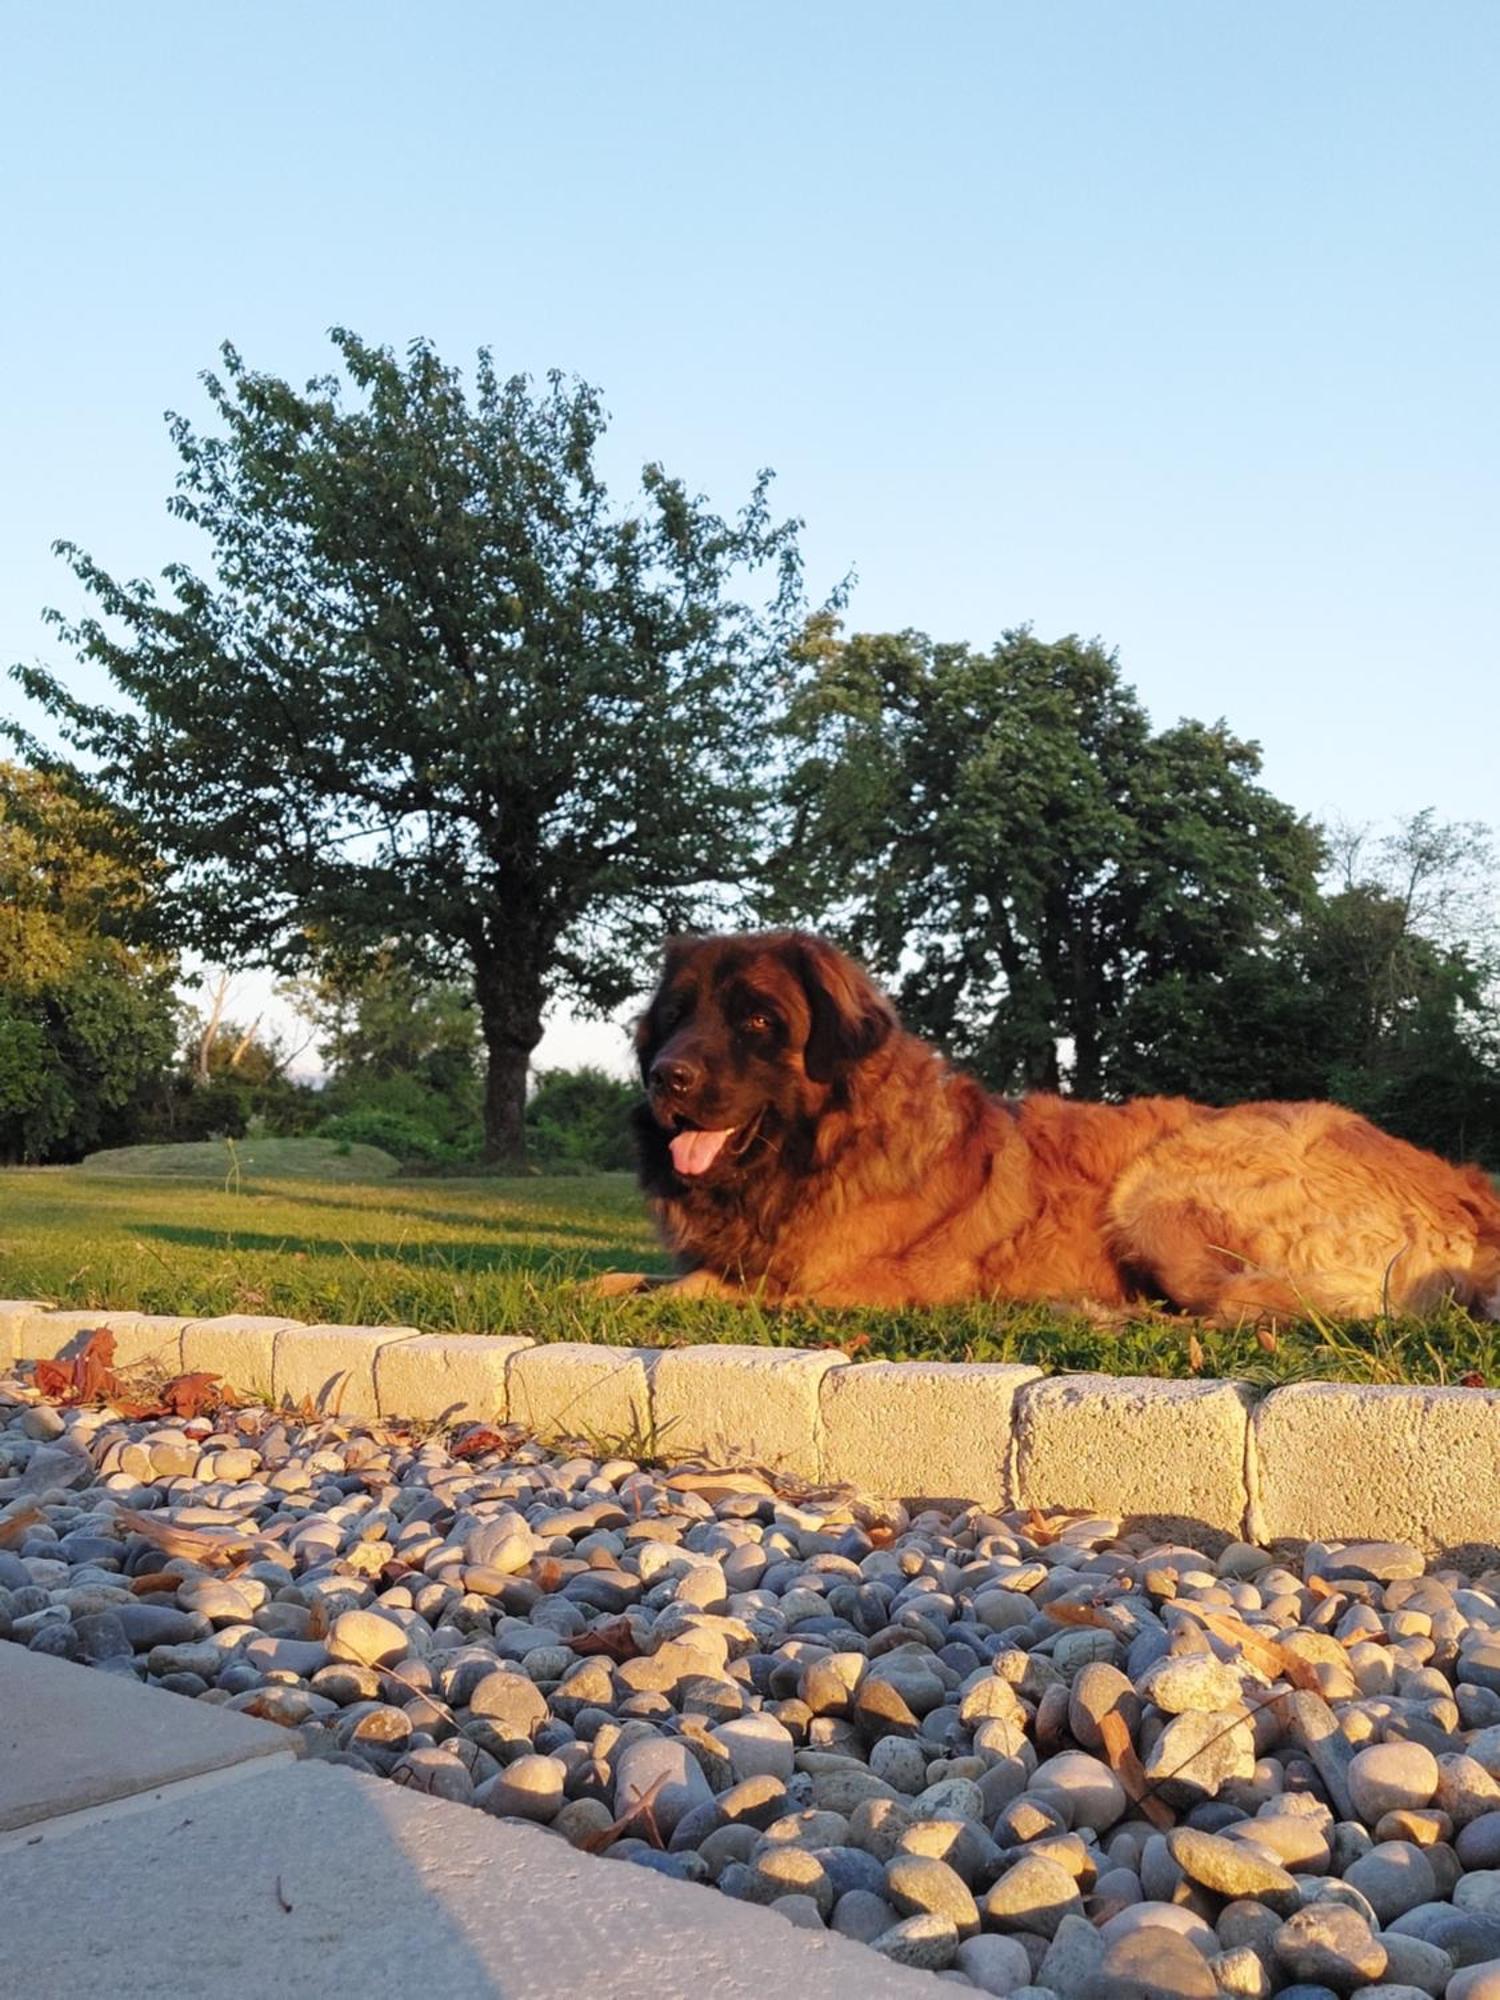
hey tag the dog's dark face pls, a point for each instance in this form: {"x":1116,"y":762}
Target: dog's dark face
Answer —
{"x":744,"y":1038}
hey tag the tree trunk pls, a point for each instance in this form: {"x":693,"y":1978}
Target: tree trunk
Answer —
{"x":510,"y":1017}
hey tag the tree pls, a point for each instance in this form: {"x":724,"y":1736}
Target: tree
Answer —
{"x":435,"y":687}
{"x":1380,"y":994}
{"x":1005,"y":834}
{"x":87,"y":1018}
{"x":379,"y":1017}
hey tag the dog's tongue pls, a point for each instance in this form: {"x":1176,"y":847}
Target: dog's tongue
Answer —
{"x":695,"y":1152}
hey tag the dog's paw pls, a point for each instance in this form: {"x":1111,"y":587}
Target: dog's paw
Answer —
{"x":618,"y":1284}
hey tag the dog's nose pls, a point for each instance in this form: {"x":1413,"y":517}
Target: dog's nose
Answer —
{"x":673,"y":1079}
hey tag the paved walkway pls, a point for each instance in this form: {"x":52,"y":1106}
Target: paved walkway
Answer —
{"x":154,"y":1848}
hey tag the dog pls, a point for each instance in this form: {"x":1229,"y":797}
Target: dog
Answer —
{"x":797,"y":1145}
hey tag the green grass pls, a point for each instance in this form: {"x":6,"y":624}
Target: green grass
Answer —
{"x":234,"y":1161}
{"x":495,"y":1255}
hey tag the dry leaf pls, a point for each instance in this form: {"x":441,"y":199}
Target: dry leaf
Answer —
{"x":1195,"y":1354}
{"x":1119,"y":1753}
{"x":54,"y":1380}
{"x":639,"y":1814}
{"x":1266,"y":1339}
{"x":1079,"y":1614}
{"x":1269,"y":1655}
{"x":15,"y":1530}
{"x":203,"y":1545}
{"x":616,"y":1641}
{"x":474,"y":1444}
{"x":158,"y":1581}
{"x":191,"y":1395}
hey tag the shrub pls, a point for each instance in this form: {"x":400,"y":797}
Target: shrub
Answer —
{"x":578,"y":1122}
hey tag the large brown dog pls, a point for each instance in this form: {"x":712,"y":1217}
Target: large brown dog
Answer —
{"x":797,"y":1144}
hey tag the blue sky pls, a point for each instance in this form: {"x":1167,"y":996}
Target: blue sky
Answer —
{"x":1169,"y":321}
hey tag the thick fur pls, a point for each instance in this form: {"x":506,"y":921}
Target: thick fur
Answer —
{"x":862,"y":1170}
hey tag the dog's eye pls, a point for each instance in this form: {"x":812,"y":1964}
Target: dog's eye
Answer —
{"x":758,"y":1024}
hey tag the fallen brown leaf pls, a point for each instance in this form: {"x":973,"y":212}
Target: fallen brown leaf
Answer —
{"x":475,"y":1443}
{"x":616,"y":1641}
{"x":15,"y":1530}
{"x":1119,"y":1753}
{"x":1269,"y":1655}
{"x":203,"y":1545}
{"x":639,"y":1814}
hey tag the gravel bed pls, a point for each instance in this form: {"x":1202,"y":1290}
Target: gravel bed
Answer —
{"x":1030,"y":1754}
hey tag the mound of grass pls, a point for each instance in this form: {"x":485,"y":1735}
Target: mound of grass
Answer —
{"x":231,"y":1161}
{"x":507,"y":1256}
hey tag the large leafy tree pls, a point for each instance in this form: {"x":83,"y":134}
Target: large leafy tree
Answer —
{"x":435,"y":686}
{"x":1384,"y":994}
{"x":1004,"y":834}
{"x":88,"y":1023}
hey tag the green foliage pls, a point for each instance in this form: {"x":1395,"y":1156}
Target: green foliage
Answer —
{"x":407,"y":1139}
{"x":578,"y":1121}
{"x":436,"y":687}
{"x":87,"y":1017}
{"x":1381,"y":995}
{"x":1004,"y":834}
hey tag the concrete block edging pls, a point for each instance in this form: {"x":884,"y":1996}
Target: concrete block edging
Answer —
{"x":1206,"y":1460}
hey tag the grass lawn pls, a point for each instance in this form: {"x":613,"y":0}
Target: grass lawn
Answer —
{"x":504,"y":1256}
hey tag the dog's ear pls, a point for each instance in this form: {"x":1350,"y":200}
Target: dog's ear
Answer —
{"x":851,"y":1017}
{"x":648,"y":1027}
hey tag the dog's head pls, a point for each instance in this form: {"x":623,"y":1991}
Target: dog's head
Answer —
{"x":745,"y":1036}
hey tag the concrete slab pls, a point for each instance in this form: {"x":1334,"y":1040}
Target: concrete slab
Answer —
{"x":240,"y":1348}
{"x":72,"y":1737}
{"x":309,"y":1876}
{"x":452,"y":1377}
{"x":1170,"y":1457}
{"x":922,"y":1430}
{"x":333,"y":1365}
{"x":571,"y":1388}
{"x":735,"y":1403}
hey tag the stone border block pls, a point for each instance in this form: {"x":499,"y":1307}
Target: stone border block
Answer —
{"x":1170,"y":1457}
{"x":1357,"y":1461}
{"x":240,"y":1348}
{"x":734,"y":1403}
{"x":12,"y":1312}
{"x":923,"y":1430}
{"x":448,"y":1378}
{"x":580,"y":1389}
{"x":334,"y":1365}
{"x":141,"y":1339}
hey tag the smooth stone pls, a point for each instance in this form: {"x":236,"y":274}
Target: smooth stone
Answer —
{"x":1091,"y":1794}
{"x":659,"y":1759}
{"x":1392,"y":1777}
{"x":861,"y":1915}
{"x":1393,"y":1877}
{"x":925,"y":1943}
{"x":1034,"y":1894}
{"x":1329,"y":1944}
{"x":995,"y":1965}
{"x":1231,"y":1869}
{"x":1173,"y":1917}
{"x":917,"y":1883}
{"x":1151,"y":1964}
